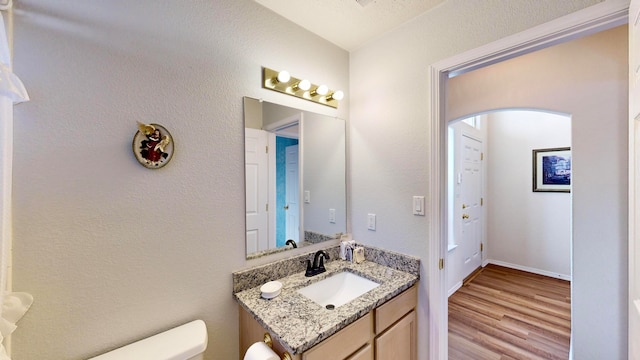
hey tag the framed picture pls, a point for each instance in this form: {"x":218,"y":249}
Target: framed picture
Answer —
{"x":552,"y":170}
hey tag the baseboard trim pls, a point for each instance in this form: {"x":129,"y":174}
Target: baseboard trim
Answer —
{"x":455,"y":288}
{"x":528,"y":269}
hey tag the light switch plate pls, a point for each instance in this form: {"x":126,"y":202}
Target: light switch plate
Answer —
{"x":307,"y":197}
{"x":332,"y":216}
{"x":418,"y":205}
{"x":371,"y":222}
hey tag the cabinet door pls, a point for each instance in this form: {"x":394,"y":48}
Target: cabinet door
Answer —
{"x":366,"y":353}
{"x":399,"y":341}
{"x":343,"y":343}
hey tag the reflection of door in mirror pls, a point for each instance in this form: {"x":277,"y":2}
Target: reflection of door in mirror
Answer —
{"x":256,"y":172}
{"x":282,"y":161}
{"x":292,"y":186}
{"x":272,"y":182}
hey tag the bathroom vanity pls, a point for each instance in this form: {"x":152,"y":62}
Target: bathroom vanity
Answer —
{"x":379,"y":324}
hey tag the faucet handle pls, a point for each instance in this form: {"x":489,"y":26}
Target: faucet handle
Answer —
{"x":309,"y":271}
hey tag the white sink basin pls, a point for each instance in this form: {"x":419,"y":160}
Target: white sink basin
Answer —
{"x":338,"y":289}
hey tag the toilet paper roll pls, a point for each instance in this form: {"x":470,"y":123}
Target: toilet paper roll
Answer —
{"x":260,"y":351}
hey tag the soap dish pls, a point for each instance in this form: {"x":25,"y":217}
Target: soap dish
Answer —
{"x":271,"y":289}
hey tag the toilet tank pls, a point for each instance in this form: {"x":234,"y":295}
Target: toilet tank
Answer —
{"x":185,"y":342}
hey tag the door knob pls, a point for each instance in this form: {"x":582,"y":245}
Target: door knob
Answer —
{"x":465,"y":216}
{"x":286,"y":207}
{"x":464,"y":206}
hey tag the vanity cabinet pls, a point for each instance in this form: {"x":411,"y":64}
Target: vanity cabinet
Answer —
{"x":387,"y":332}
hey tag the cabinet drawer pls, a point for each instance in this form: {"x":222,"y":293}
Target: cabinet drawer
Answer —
{"x":394,"y":309}
{"x":343,"y":343}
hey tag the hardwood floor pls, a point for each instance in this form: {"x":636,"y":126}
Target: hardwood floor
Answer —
{"x":505,"y":314}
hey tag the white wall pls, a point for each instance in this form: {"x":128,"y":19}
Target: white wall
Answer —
{"x":112,"y":251}
{"x":389,"y":133}
{"x":586,"y":78}
{"x":528,"y":229}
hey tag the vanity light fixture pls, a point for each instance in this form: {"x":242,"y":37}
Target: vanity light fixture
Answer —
{"x":283,"y":82}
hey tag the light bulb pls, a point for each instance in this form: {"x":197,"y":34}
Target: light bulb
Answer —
{"x":284,"y":76}
{"x":338,"y":95}
{"x":304,"y":85}
{"x":320,"y":90}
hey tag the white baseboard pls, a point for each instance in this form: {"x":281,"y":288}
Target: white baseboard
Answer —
{"x":454,"y":288}
{"x":528,"y":269}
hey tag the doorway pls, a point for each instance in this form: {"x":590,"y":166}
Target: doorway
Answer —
{"x":494,"y":216}
{"x":570,"y":27}
{"x":523,"y":231}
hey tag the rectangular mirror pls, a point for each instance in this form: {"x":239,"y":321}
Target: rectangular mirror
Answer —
{"x":295,"y":177}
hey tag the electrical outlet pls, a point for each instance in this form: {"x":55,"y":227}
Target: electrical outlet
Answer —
{"x":371,"y":222}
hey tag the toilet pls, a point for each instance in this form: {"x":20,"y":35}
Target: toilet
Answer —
{"x":185,"y":342}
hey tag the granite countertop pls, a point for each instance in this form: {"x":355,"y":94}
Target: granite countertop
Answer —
{"x":299,"y":323}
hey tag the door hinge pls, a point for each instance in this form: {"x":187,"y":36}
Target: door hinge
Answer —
{"x":266,"y":149}
{"x":266,"y":207}
{"x":481,"y":201}
{"x":481,"y":156}
{"x":481,"y":247}
{"x":441,"y":264}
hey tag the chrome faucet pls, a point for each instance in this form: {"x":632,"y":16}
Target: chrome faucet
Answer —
{"x":318,"y":264}
{"x":292,"y":243}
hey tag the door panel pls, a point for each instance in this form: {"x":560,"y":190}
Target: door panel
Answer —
{"x":256,"y":180}
{"x":292,"y":194}
{"x":471,"y":193}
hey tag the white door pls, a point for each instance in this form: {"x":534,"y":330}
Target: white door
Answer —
{"x":634,"y":180}
{"x":257,"y":185}
{"x":292,"y":194}
{"x":471,"y":208}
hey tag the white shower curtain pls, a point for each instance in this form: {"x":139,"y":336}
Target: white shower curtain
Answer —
{"x":12,"y":91}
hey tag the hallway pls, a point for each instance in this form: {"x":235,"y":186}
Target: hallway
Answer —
{"x":504,"y":313}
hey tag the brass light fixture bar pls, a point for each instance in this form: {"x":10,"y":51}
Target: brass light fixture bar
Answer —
{"x":282,"y":82}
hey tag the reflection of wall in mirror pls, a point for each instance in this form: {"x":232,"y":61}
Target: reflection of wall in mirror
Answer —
{"x":273,"y":113}
{"x":324,"y":173}
{"x":252,"y":113}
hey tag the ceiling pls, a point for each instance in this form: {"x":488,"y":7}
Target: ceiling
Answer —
{"x":349,"y":23}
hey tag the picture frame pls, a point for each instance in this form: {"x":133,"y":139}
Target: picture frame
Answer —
{"x":552,"y":170}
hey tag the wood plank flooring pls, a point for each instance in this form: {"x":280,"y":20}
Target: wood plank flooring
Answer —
{"x":506,"y":314}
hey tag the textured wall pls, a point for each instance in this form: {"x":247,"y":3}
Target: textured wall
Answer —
{"x":112,"y":251}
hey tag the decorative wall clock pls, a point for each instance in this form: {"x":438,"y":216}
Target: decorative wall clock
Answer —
{"x":152,"y":145}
